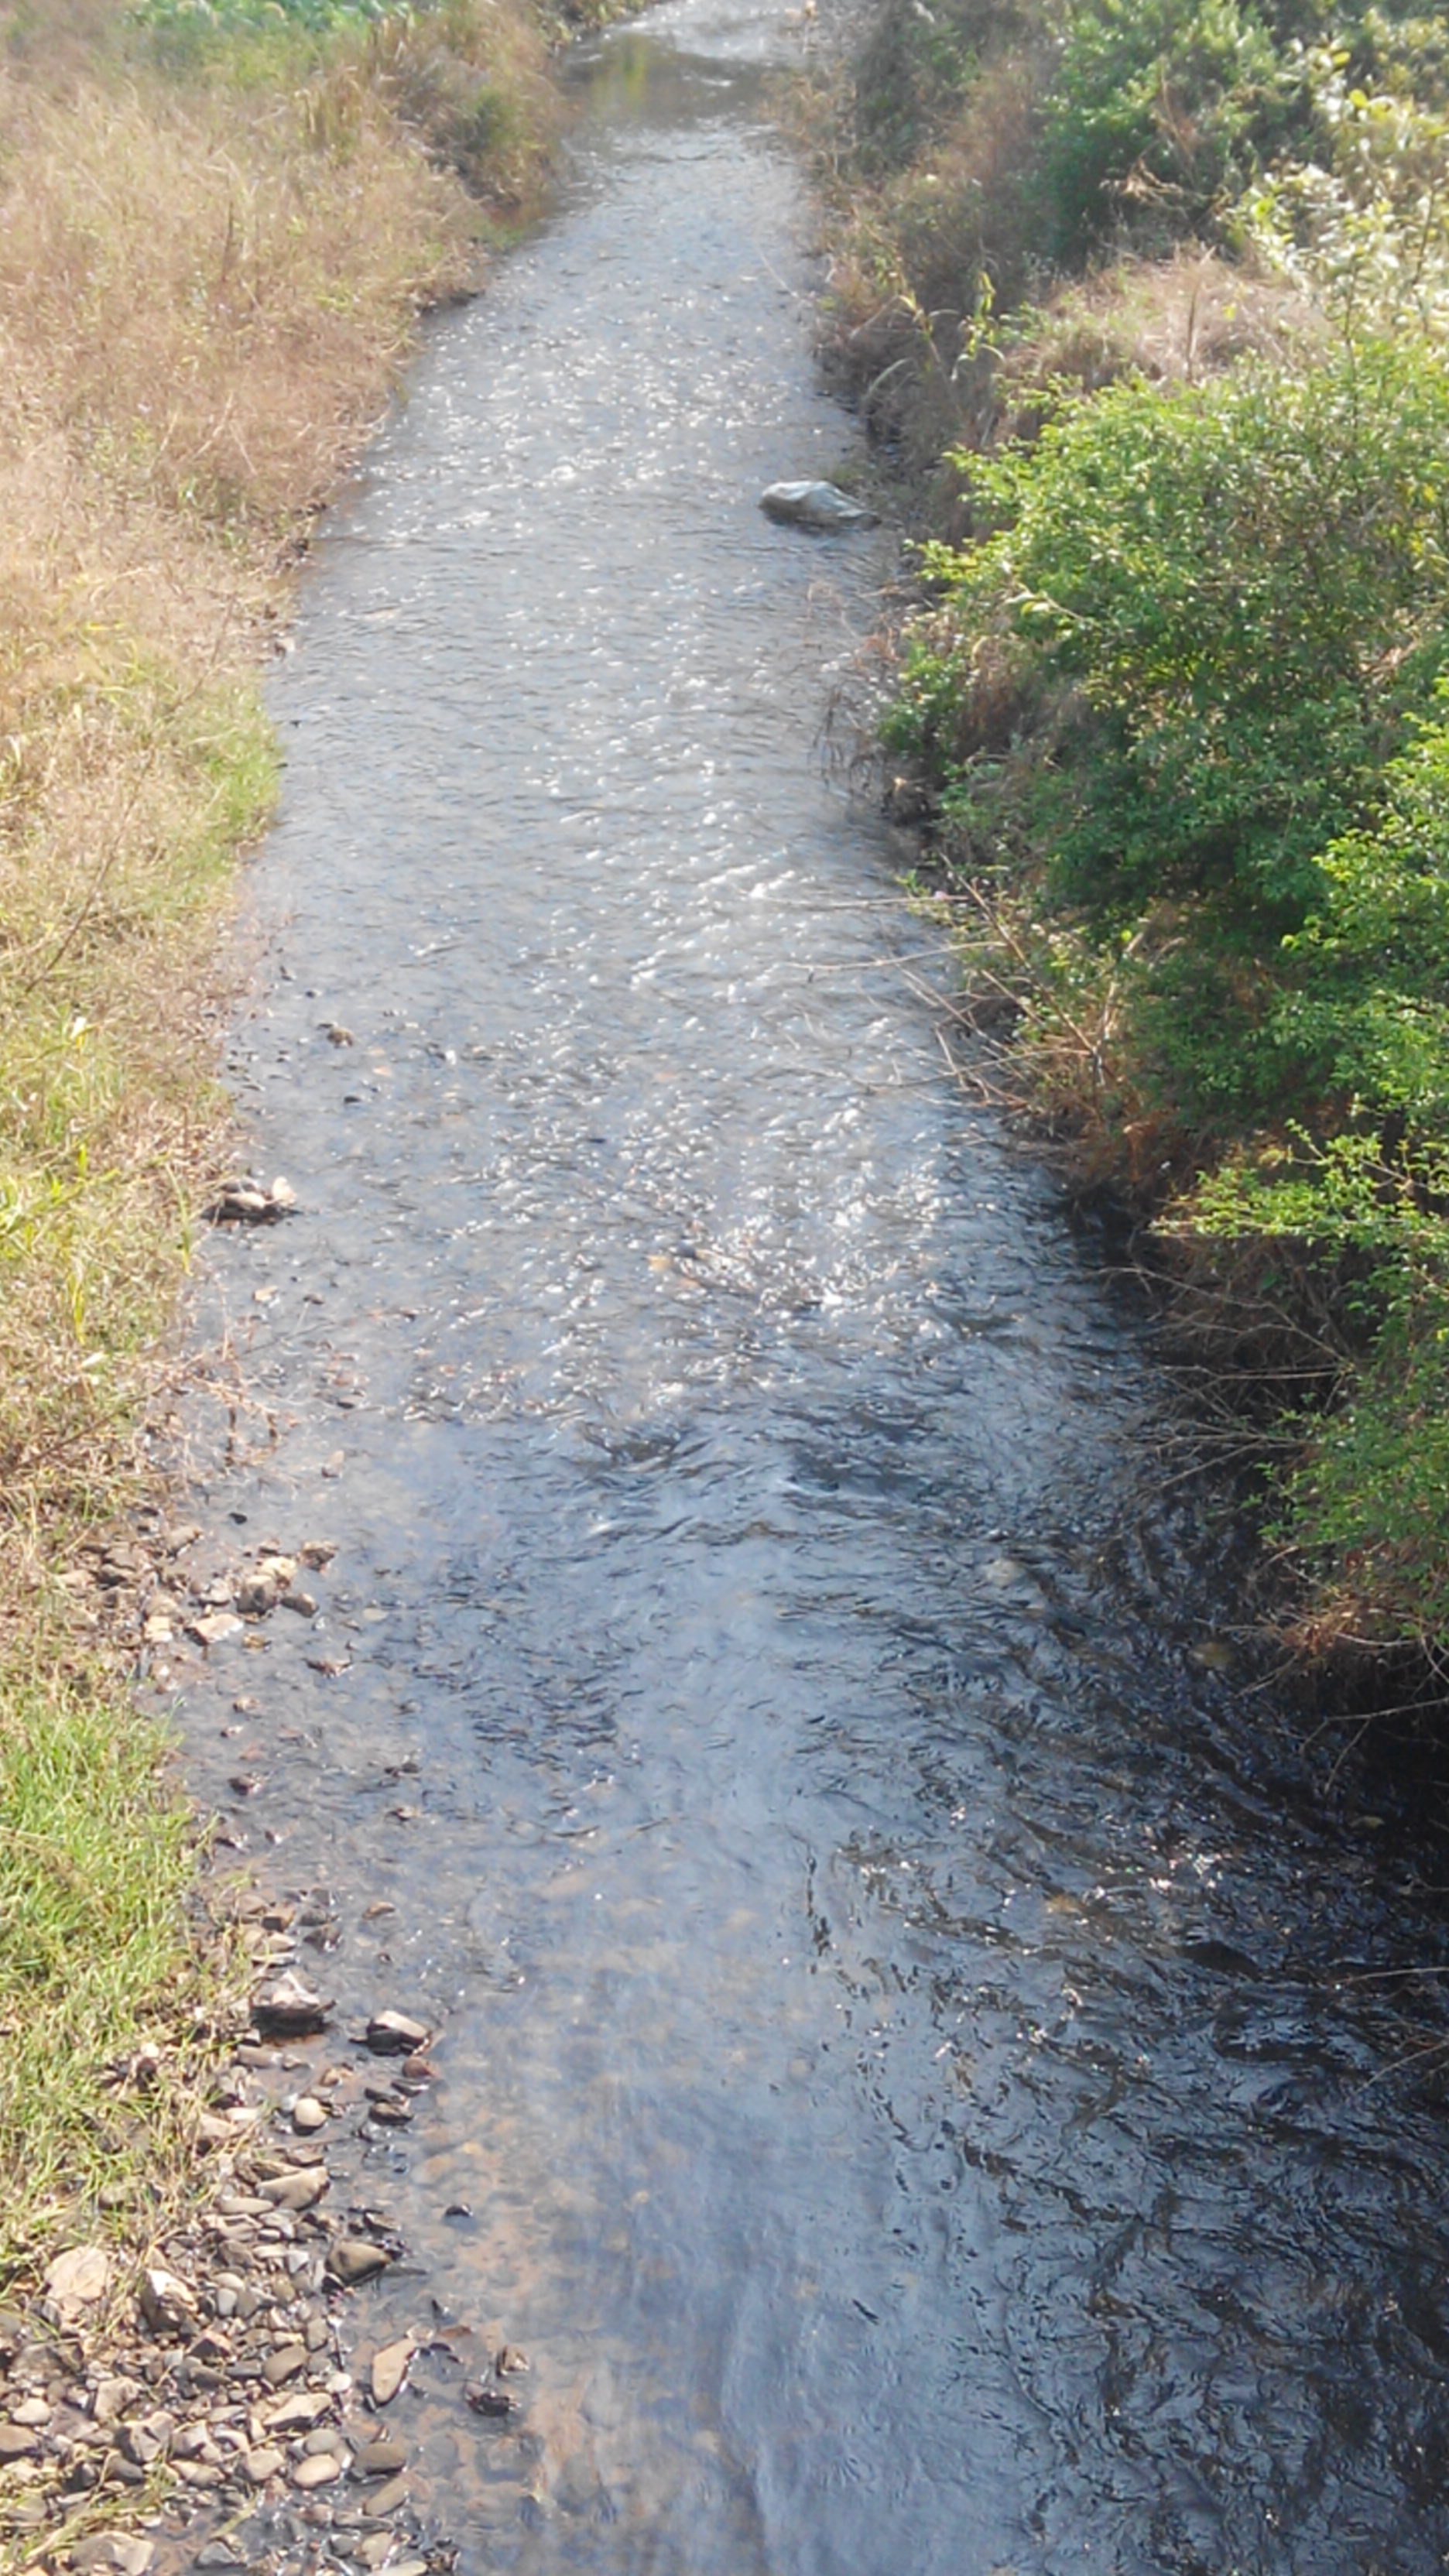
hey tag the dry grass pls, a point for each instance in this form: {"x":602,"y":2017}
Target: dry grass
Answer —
{"x":207,"y":283}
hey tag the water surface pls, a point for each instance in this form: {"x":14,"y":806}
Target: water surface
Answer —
{"x":907,"y":2070}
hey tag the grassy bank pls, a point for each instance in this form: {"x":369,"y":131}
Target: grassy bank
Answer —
{"x":218,"y":225}
{"x":1149,"y":304}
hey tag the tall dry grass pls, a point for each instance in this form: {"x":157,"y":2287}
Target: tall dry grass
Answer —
{"x":208,"y":279}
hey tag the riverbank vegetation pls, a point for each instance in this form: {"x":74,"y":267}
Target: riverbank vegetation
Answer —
{"x":1149,"y":302}
{"x":219,"y":220}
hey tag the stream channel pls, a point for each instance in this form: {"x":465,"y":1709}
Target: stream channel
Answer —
{"x":915,"y":2067}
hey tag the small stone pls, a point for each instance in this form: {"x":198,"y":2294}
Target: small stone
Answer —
{"x":217,"y":2554}
{"x":385,"y":2500}
{"x":112,"y":2397}
{"x":283,"y":2363}
{"x":282,"y":1194}
{"x":382,"y":2459}
{"x":289,"y":2009}
{"x":319,"y":2334}
{"x":148,"y":2438}
{"x":296,"y":2190}
{"x":318,"y":1551}
{"x":31,"y":2410}
{"x":256,"y":1594}
{"x":510,"y":2362}
{"x":395,"y":2034}
{"x":299,"y":2413}
{"x":17,"y":2442}
{"x":263,"y":2464}
{"x":168,"y":2303}
{"x":486,"y":2399}
{"x":390,"y":2110}
{"x":308,"y":2114}
{"x":317,"y":2469}
{"x":351,"y":2259}
{"x":374,"y":2549}
{"x":390,"y":2369}
{"x":215,"y":1628}
{"x":124,"y":2551}
{"x":79,"y":2277}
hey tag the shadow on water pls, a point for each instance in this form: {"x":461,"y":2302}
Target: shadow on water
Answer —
{"x":910,"y":2069}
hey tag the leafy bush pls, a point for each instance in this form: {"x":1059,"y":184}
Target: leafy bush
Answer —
{"x":1243,"y":586}
{"x":1160,"y":108}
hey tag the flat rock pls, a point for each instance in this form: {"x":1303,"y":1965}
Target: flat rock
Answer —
{"x":125,"y":2551}
{"x":308,"y":2115}
{"x":318,"y":2469}
{"x":262,"y":2464}
{"x":18,"y":2442}
{"x":215,"y":1627}
{"x":395,"y":2034}
{"x":385,"y":2500}
{"x":296,"y":2190}
{"x":382,"y":2459}
{"x":390,"y":2369}
{"x":78,"y":2278}
{"x":351,"y":2259}
{"x":298,"y":2413}
{"x":284,"y":2363}
{"x":289,"y":2009}
{"x":167,"y":2302}
{"x":821,"y":507}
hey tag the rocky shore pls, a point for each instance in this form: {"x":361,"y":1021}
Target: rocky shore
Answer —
{"x":229,"y":2403}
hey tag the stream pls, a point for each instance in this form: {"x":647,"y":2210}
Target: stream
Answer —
{"x":916,"y":2070}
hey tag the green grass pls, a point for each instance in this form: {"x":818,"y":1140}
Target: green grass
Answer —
{"x":97,"y":1853}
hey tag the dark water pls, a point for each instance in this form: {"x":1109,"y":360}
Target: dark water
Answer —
{"x":908,"y":2073}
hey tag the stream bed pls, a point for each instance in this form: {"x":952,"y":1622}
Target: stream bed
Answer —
{"x":915,"y":2069}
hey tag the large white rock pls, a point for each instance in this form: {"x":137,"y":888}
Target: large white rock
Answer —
{"x":821,"y":507}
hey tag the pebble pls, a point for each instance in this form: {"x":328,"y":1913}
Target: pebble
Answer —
{"x":215,"y":1627}
{"x":351,"y":2259}
{"x":382,"y":2459}
{"x":385,"y":2500}
{"x":283,"y":2363}
{"x":263,"y":2464}
{"x":166,"y":2300}
{"x":395,"y":2034}
{"x":485,"y":2399}
{"x":296,"y":2190}
{"x":124,"y":2551}
{"x":308,"y":2115}
{"x":297,"y":2413}
{"x":31,"y":2410}
{"x":316,"y":2469}
{"x":298,"y":1598}
{"x":17,"y":2441}
{"x":289,"y":2009}
{"x":390,"y":2369}
{"x":77,"y":2278}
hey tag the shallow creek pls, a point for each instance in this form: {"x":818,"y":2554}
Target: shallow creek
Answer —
{"x":908,"y":2068}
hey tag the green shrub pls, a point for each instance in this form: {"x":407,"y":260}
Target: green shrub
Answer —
{"x":1243,"y":587}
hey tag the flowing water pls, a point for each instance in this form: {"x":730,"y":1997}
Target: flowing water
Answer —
{"x":912,"y":2067}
